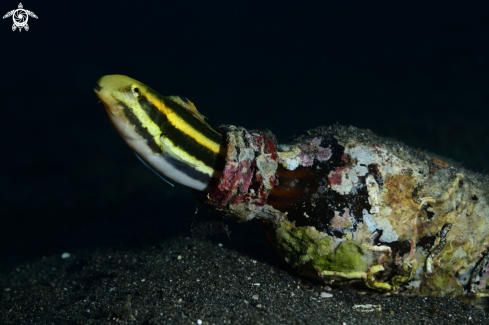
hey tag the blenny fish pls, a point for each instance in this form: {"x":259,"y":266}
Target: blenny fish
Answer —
{"x":341,"y":204}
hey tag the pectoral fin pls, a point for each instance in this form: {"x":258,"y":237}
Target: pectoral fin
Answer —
{"x":151,"y":168}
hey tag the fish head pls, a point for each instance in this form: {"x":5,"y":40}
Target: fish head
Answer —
{"x":118,"y":92}
{"x":121,"y":97}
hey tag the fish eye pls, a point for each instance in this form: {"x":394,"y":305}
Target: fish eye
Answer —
{"x":136,"y":92}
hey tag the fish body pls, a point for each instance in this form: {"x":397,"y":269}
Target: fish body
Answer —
{"x":166,"y":132}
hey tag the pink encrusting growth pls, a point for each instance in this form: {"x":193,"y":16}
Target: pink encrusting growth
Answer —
{"x":249,"y":171}
{"x":335,"y":178}
{"x":313,"y":150}
{"x":236,"y":177}
{"x":342,"y":222}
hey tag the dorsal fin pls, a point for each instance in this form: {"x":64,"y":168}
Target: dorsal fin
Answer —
{"x":189,"y":106}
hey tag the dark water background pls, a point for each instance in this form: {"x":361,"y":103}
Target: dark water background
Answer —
{"x":415,"y":71}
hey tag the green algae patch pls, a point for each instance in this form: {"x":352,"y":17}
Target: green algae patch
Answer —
{"x":348,"y":257}
{"x":442,"y":284}
{"x":300,"y":245}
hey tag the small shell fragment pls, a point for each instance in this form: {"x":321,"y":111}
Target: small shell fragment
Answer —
{"x":367,"y":308}
{"x":326,"y":295}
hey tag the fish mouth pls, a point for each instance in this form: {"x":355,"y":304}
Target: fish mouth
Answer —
{"x":97,"y":88}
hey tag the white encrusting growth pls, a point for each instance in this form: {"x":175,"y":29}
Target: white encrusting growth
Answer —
{"x":373,"y":194}
{"x":375,"y":222}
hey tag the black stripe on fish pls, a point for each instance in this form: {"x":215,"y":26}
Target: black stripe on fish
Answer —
{"x":190,"y":145}
{"x":140,"y":129}
{"x":188,"y":170}
{"x":157,"y":116}
{"x":179,"y":138}
{"x":192,"y":120}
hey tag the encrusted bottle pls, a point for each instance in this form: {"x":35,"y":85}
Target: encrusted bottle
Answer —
{"x":348,"y":207}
